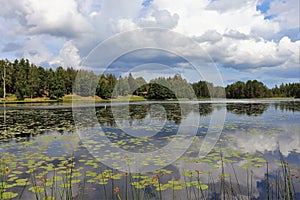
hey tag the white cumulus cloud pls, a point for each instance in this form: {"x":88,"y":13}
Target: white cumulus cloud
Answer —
{"x":233,"y":32}
{"x":68,"y":56}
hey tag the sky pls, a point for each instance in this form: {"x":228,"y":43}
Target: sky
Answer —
{"x":240,"y":39}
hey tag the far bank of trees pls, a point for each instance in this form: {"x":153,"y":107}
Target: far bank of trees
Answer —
{"x":26,"y":80}
{"x":256,"y":89}
{"x":250,"y":89}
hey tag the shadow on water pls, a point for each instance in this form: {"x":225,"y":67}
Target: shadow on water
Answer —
{"x":28,"y":121}
{"x":248,"y":109}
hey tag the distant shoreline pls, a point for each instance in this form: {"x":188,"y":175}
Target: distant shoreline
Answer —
{"x":71,"y":98}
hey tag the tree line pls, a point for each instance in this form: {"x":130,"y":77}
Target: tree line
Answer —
{"x":26,"y":80}
{"x":256,"y":89}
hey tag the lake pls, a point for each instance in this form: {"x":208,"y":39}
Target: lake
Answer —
{"x":230,"y":149}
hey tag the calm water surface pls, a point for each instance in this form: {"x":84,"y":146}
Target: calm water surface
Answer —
{"x":39,"y":142}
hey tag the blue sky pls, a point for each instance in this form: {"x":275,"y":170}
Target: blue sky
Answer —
{"x":244,"y":39}
{"x":264,"y":6}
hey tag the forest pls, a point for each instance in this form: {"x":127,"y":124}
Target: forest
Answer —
{"x":26,"y":80}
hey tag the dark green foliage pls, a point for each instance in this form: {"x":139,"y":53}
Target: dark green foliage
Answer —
{"x":26,"y":80}
{"x":59,"y":88}
{"x":21,"y":81}
{"x":203,"y":89}
{"x":131,"y":83}
{"x":250,"y":89}
{"x":106,"y":86}
{"x":287,"y":90}
{"x":236,"y":90}
{"x":42,"y":73}
{"x":33,"y":82}
{"x":172,"y":87}
{"x":158,"y":91}
{"x":50,"y":83}
{"x":122,"y":87}
{"x":20,"y":93}
{"x":256,"y":89}
{"x":86,"y":83}
{"x":70,"y":76}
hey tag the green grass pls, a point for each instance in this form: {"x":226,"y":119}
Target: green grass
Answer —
{"x":97,"y":99}
{"x":28,"y":101}
{"x":129,"y":98}
{"x":11,"y":99}
{"x":70,"y":98}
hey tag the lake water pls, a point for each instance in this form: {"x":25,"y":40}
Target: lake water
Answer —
{"x":152,"y":150}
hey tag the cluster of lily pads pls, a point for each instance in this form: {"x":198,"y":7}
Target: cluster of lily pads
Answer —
{"x":53,"y":166}
{"x":30,"y":122}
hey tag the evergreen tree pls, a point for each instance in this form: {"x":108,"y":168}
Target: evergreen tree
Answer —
{"x":103,"y":89}
{"x":42,"y":73}
{"x":122,"y":87}
{"x":70,"y":79}
{"x":33,"y":82}
{"x":131,"y":83}
{"x":50,"y":74}
{"x":27,"y":80}
{"x":159,"y":91}
{"x":58,"y":88}
{"x":21,"y":82}
{"x":202,"y":89}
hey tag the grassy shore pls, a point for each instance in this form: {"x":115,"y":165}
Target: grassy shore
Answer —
{"x":13,"y":100}
{"x":70,"y":98}
{"x":96,"y":99}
